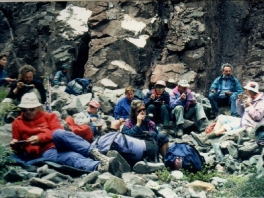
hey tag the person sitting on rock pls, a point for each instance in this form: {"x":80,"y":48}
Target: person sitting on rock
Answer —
{"x":4,"y":80}
{"x":122,"y":108}
{"x":91,"y":117}
{"x":251,"y":111}
{"x":39,"y":136}
{"x":157,"y":102}
{"x":24,"y":84}
{"x":139,"y":126}
{"x":61,"y":77}
{"x":183,"y":105}
{"x":224,"y":90}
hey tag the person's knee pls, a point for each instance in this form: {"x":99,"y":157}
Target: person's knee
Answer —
{"x":212,"y":96}
{"x":178,"y":109}
{"x":233,"y":97}
{"x":58,"y":134}
{"x":115,"y":125}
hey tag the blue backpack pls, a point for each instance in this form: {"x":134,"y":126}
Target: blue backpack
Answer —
{"x":79,"y":86}
{"x":185,"y":155}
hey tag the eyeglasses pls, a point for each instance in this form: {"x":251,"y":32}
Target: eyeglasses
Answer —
{"x":138,"y":111}
{"x":29,"y":109}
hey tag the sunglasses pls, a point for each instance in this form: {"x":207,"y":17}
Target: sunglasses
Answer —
{"x":29,"y":109}
{"x":160,"y":88}
{"x":140,"y":110}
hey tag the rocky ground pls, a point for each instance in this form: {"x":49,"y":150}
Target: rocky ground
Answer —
{"x":230,"y":154}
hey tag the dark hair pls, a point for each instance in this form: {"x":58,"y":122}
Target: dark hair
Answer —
{"x":2,"y":56}
{"x":134,"y":105}
{"x":25,"y":69}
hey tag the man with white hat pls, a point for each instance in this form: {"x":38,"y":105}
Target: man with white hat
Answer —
{"x":37,"y":134}
{"x":251,"y":110}
{"x":183,"y":105}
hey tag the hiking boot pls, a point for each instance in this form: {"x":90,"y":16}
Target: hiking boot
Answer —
{"x":142,"y":167}
{"x":202,"y":124}
{"x":108,"y":164}
{"x":179,"y":131}
{"x":200,"y":140}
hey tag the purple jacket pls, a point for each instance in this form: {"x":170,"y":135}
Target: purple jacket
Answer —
{"x":252,"y":115}
{"x":175,"y":99}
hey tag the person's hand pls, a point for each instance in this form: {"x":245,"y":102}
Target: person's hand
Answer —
{"x":228,"y":93}
{"x":140,"y":118}
{"x":13,"y":141}
{"x":152,"y":96}
{"x":63,"y":83}
{"x":183,"y":96}
{"x":33,"y":139}
{"x":212,"y":91}
{"x":240,"y":97}
{"x":247,"y":102}
{"x":20,"y":85}
{"x":94,"y":119}
{"x":121,"y":120}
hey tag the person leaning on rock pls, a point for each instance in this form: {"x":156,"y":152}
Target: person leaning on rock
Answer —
{"x":250,"y":109}
{"x":224,"y":91}
{"x":24,"y":84}
{"x":37,"y":135}
{"x":4,"y":80}
{"x":61,"y":77}
{"x":122,"y":109}
{"x":183,"y":105}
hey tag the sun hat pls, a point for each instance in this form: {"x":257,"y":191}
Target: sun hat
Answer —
{"x":183,"y":83}
{"x":65,"y":66}
{"x":252,"y":86}
{"x":160,"y":82}
{"x":94,"y":103}
{"x":29,"y":100}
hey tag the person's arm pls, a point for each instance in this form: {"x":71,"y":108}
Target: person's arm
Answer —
{"x":117,"y":110}
{"x":240,"y":107}
{"x":40,"y":87}
{"x":56,"y":80}
{"x":175,"y":101}
{"x":13,"y":94}
{"x":131,"y":131}
{"x":256,"y":112}
{"x":147,"y":100}
{"x":166,"y":98}
{"x":214,"y":86}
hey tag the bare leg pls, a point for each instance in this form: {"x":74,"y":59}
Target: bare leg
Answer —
{"x":164,"y":149}
{"x":219,"y":131}
{"x":218,"y":125}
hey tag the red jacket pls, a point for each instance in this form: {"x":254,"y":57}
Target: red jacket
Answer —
{"x":43,"y":125}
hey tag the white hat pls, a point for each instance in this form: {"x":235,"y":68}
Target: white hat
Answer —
{"x":29,"y":100}
{"x":160,"y":82}
{"x":183,"y":83}
{"x":252,"y":86}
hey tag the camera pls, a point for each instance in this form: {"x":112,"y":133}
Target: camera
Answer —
{"x":28,"y":87}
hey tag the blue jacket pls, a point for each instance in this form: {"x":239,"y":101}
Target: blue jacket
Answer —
{"x":3,"y":75}
{"x":235,"y":85}
{"x":60,"y":77}
{"x":164,"y":97}
{"x":122,"y":109}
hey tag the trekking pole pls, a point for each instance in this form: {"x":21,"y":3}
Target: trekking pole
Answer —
{"x":48,"y":107}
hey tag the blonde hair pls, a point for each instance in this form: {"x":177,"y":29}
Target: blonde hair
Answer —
{"x":129,"y":88}
{"x":25,"y":69}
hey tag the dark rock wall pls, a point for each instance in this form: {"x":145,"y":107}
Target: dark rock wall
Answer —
{"x":201,"y":35}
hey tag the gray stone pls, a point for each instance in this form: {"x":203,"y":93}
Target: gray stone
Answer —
{"x":42,"y":183}
{"x":167,"y":193}
{"x":115,"y":185}
{"x":21,"y":191}
{"x":142,"y":191}
{"x":89,"y":178}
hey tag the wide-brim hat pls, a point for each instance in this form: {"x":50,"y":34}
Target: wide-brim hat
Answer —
{"x":252,"y":86}
{"x":29,"y":100}
{"x":183,"y":83}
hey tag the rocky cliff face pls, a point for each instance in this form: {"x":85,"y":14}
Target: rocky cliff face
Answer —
{"x":118,"y":43}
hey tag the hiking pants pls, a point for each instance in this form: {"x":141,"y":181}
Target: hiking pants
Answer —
{"x":71,"y":150}
{"x":157,"y":112}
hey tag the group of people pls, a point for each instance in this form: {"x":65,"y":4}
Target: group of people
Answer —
{"x":38,"y":135}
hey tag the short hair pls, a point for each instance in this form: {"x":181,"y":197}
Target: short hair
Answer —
{"x":129,"y":88}
{"x":25,"y":69}
{"x":2,"y":56}
{"x":226,"y":65}
{"x":134,"y":105}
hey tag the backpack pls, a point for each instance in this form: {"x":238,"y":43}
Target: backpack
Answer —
{"x":79,"y":86}
{"x":183,"y":155}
